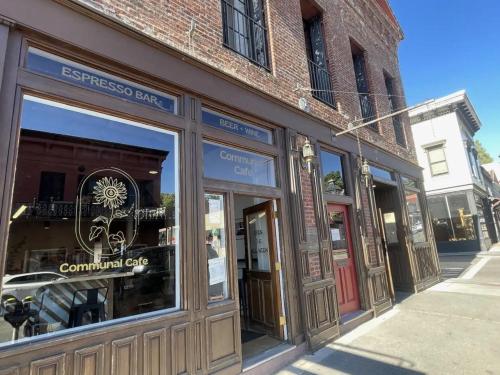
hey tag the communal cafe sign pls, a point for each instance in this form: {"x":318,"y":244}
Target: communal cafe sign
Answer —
{"x":228,"y":163}
{"x":69,"y":71}
{"x":102,"y":237}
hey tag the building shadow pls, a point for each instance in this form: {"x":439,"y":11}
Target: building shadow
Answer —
{"x":341,"y":359}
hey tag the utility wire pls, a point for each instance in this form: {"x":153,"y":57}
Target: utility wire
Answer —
{"x":300,"y":88}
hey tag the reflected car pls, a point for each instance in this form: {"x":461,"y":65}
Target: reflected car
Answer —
{"x":26,"y":284}
{"x":152,"y":287}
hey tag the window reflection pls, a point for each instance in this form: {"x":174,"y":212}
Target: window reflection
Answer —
{"x":415,"y":216}
{"x":451,"y":217}
{"x":337,"y":230}
{"x":215,"y":240}
{"x":333,"y":176}
{"x":94,"y":227}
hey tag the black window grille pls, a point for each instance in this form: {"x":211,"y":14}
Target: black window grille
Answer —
{"x":397,"y":123}
{"x":244,"y":29}
{"x":365,"y":99}
{"x":321,"y":82}
{"x":51,"y":186}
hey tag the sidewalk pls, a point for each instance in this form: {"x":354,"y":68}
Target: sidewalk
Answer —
{"x":451,"y":328}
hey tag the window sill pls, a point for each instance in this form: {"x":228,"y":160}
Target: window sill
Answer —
{"x":266,"y":68}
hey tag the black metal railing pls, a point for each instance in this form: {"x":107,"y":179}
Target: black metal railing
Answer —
{"x":398,"y":130}
{"x":245,"y":34}
{"x":321,"y":84}
{"x":367,"y":111}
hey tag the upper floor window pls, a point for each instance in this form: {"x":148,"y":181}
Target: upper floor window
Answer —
{"x":321,"y":83}
{"x":362,"y":85}
{"x":245,"y":29}
{"x":472,"y":156}
{"x":437,"y":160}
{"x":394,"y":105}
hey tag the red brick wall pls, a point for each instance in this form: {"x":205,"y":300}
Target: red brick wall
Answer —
{"x":363,"y":20}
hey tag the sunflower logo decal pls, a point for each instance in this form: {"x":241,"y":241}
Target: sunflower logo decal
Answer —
{"x":115,"y":201}
{"x":110,"y":192}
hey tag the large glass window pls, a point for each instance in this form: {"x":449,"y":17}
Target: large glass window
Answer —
{"x":215,"y":240}
{"x":94,"y":231}
{"x":461,"y":217}
{"x":451,"y":217}
{"x":414,"y":212}
{"x":233,"y":164}
{"x":332,"y":171}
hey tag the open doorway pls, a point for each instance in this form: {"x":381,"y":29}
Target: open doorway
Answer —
{"x":257,"y":244}
{"x":389,"y":215}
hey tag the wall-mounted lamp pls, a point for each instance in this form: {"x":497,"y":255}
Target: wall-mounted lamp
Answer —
{"x":308,"y":156}
{"x":365,"y":171}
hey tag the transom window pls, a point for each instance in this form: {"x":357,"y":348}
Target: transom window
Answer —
{"x":332,"y":172}
{"x":245,"y":29}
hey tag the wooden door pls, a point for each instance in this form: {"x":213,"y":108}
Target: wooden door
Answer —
{"x":396,"y":253}
{"x":263,"y":268}
{"x":343,"y":259}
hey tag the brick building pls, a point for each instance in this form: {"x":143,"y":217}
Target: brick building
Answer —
{"x":271,"y":234}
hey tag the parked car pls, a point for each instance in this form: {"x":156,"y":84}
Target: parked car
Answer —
{"x":26,"y":284}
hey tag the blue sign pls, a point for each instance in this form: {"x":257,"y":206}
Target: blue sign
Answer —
{"x":230,"y":164}
{"x":72,"y":72}
{"x":231,"y":125}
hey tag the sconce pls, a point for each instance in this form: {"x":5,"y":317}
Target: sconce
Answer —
{"x":365,"y":171}
{"x":308,"y":156}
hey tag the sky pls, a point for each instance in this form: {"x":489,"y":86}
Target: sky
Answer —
{"x":451,"y":45}
{"x":47,"y":116}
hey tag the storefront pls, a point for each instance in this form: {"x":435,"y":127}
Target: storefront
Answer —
{"x":172,"y":221}
{"x":459,"y":222}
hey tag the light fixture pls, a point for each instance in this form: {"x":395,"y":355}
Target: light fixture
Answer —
{"x":308,"y":156}
{"x":365,"y":172}
{"x":365,"y":168}
{"x":153,"y":172}
{"x":19,"y":211}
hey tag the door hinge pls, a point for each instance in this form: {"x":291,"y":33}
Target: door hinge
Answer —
{"x":282,"y":320}
{"x":275,"y":214}
{"x":277,"y":266}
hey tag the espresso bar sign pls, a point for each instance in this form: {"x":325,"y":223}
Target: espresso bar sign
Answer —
{"x":234,"y":126}
{"x":69,"y":71}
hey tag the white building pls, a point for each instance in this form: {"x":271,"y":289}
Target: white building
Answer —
{"x":443,"y":132}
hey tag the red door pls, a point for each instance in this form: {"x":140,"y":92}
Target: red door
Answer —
{"x":343,"y":259}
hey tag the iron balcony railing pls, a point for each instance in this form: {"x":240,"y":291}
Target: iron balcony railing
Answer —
{"x":321,"y":84}
{"x":367,"y":111}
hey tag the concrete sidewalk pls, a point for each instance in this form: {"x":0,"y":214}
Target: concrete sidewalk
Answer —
{"x":451,"y":328}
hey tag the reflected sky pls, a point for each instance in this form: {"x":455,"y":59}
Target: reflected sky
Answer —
{"x":330,"y":162}
{"x":50,"y":117}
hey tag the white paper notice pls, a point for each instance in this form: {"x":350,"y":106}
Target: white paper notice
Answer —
{"x":335,"y":234}
{"x":214,"y":211}
{"x":217,"y":270}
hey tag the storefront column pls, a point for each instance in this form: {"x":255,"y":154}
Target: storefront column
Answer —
{"x":312,"y":247}
{"x":4,"y":34}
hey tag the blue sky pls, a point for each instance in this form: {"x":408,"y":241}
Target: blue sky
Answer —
{"x":451,"y":45}
{"x":53,"y":119}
